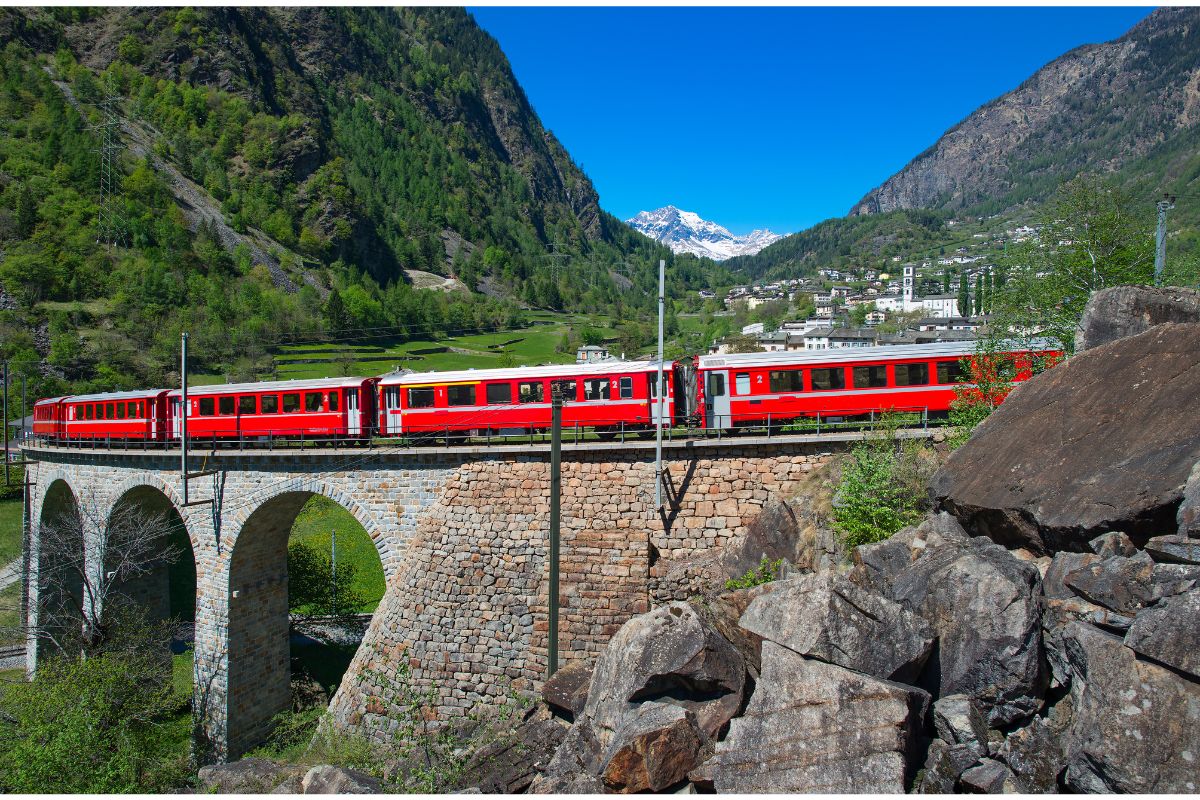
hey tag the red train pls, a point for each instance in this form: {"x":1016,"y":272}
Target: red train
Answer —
{"x":714,"y":392}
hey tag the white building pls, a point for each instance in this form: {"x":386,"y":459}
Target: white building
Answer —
{"x":589,"y":353}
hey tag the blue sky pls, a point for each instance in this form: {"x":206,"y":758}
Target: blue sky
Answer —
{"x":770,"y":117}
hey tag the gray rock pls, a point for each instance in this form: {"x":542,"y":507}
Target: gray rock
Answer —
{"x":1169,"y":632}
{"x":1136,"y":725}
{"x":326,"y":779}
{"x":292,"y":785}
{"x":957,"y":720}
{"x":875,"y":565}
{"x":1122,"y":311}
{"x":1053,"y":582}
{"x":575,"y":766}
{"x":983,"y":604}
{"x":1066,"y":457}
{"x":1113,"y":543}
{"x":827,"y":617}
{"x":567,"y":689}
{"x":1175,"y":549}
{"x":1035,"y":755}
{"x":725,"y":610}
{"x":1127,"y":585}
{"x":816,"y":727}
{"x":944,"y":765}
{"x":988,"y":777}
{"x":246,"y":776}
{"x":774,"y":534}
{"x":669,"y":652}
{"x":655,"y":749}
{"x":1188,"y":516}
{"x":509,"y":764}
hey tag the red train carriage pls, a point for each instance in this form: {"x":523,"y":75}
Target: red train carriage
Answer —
{"x":48,"y":418}
{"x":334,"y":408}
{"x":758,"y":388}
{"x":116,"y":416}
{"x":607,"y":396}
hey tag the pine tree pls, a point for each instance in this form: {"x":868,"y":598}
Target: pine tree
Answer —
{"x":979,"y":294}
{"x":26,"y":212}
{"x":946,"y":281}
{"x":964,"y":295}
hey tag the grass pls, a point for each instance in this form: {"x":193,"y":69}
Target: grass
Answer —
{"x":10,"y":530}
{"x":10,"y":614}
{"x":315,"y":525}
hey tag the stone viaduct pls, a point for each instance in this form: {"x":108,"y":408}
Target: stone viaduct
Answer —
{"x":462,"y":534}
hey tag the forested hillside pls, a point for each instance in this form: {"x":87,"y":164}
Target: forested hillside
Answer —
{"x":278,"y":171}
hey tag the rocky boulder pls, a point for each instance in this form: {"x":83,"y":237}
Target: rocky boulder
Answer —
{"x":816,"y":727}
{"x":1123,"y":311}
{"x":511,"y":763}
{"x":326,"y":779}
{"x":1136,"y":725}
{"x":1169,"y":632}
{"x":1176,"y":548}
{"x":1188,"y":516}
{"x":1127,"y":585}
{"x":1113,"y":543}
{"x":567,"y":689}
{"x":984,"y":606}
{"x":653,"y":750}
{"x":1105,"y":441}
{"x":875,"y":565}
{"x":246,"y":776}
{"x":944,"y":765}
{"x":826,"y":617}
{"x":989,"y":777}
{"x":957,"y":720}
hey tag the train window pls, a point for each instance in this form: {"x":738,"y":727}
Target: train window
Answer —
{"x":420,"y":398}
{"x":226,"y":404}
{"x":566,"y":389}
{"x":595,"y":389}
{"x":949,"y":372}
{"x":460,"y":395}
{"x":911,"y":374}
{"x":741,"y":383}
{"x":134,"y":410}
{"x":112,"y":411}
{"x":313,"y":401}
{"x":787,"y":380}
{"x":120,"y":411}
{"x":89,"y":410}
{"x":270,"y":403}
{"x":716,"y":384}
{"x":874,"y":377}
{"x":828,"y":378}
{"x":499,"y":393}
{"x":626,"y":388}
{"x":207,"y":406}
{"x":333,"y":401}
{"x":247,"y":404}
{"x":291,"y":403}
{"x":391,"y":397}
{"x":531,"y":392}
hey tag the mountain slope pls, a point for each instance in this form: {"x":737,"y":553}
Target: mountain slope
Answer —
{"x":1130,"y":106}
{"x":687,"y":232}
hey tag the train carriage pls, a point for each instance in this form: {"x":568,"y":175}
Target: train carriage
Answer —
{"x":117,"y":416}
{"x":48,"y":418}
{"x":776,"y":388}
{"x":606,"y":396}
{"x":333,"y":408}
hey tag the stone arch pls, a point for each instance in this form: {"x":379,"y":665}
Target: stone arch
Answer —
{"x":258,"y":643}
{"x":56,"y":595}
{"x":386,"y":546}
{"x":154,"y":591}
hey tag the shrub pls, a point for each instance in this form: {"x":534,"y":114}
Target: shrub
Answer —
{"x":312,"y":587}
{"x":766,"y":571}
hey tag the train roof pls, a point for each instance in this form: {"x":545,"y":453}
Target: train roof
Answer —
{"x":104,"y":397}
{"x":45,"y":400}
{"x":515,"y":373}
{"x":273,"y":386}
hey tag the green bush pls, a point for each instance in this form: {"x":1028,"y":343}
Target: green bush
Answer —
{"x":312,"y":587}
{"x":882,"y":487}
{"x":766,"y":571}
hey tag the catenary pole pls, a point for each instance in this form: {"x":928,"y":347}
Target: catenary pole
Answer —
{"x":183,"y":415}
{"x":662,"y":290}
{"x":555,"y":489}
{"x":1160,"y":238}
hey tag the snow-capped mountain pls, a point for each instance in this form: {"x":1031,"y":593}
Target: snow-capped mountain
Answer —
{"x":686,"y":232}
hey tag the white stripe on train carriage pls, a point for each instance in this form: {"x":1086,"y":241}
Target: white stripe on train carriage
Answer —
{"x":504,"y":406}
{"x":842,"y":393}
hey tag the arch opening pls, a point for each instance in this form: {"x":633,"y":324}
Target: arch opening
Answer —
{"x":58,"y":595}
{"x":305,"y":578}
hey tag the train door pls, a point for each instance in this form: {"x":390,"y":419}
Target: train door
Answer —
{"x":176,"y":419}
{"x":353,"y":419}
{"x":663,"y":418}
{"x":391,"y":410}
{"x":716,"y":400}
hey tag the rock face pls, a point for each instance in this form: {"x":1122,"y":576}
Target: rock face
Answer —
{"x":829,"y":618}
{"x":1176,"y":548}
{"x":653,"y":750}
{"x":1122,"y":311}
{"x":1188,"y":516}
{"x":1127,"y":585}
{"x":335,"y":780}
{"x":1169,"y":632}
{"x":509,"y":764}
{"x":957,"y":720}
{"x":984,"y":606}
{"x":876,"y":565}
{"x":1105,"y":441}
{"x":815,"y":727}
{"x":246,"y":776}
{"x":1136,"y":726}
